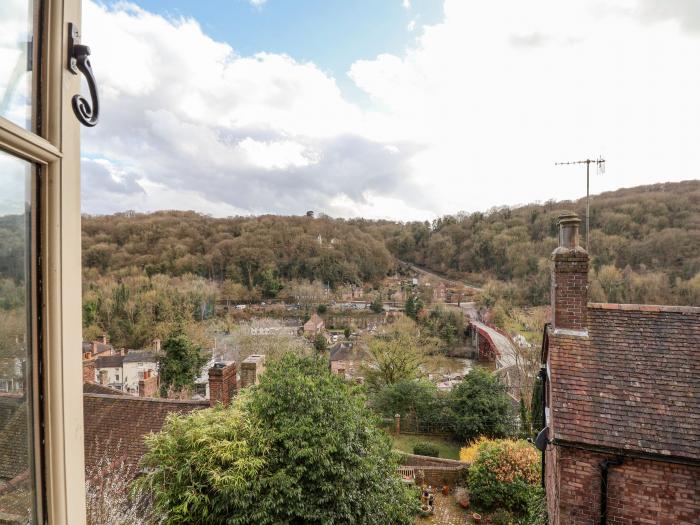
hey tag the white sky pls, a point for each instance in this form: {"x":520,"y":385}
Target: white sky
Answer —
{"x":473,"y":115}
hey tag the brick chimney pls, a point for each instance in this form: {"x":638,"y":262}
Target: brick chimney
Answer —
{"x":251,"y":369}
{"x":148,"y":386}
{"x":89,"y":371}
{"x":569,"y":279}
{"x":222,"y":383}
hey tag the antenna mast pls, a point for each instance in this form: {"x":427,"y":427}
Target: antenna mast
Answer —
{"x":600,"y":164}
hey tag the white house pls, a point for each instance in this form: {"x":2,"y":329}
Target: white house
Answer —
{"x":123,"y":372}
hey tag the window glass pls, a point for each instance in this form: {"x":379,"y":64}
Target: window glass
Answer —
{"x":17,"y":500}
{"x":16,"y":60}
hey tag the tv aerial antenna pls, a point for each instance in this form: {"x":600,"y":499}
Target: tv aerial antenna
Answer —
{"x":600,"y":167}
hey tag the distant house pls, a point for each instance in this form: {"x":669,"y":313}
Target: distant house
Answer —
{"x":97,"y":348}
{"x":314,"y":325}
{"x":109,"y":370}
{"x":135,"y":366}
{"x":124,"y":371}
{"x":347,"y":359}
{"x":621,"y":404}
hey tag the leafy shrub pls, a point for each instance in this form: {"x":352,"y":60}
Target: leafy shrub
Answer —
{"x":504,"y":474}
{"x":424,"y":448}
{"x":301,"y":445}
{"x":502,"y":517}
{"x":417,"y":401}
{"x":536,"y":508}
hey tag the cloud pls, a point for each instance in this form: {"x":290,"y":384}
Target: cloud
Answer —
{"x":257,"y":3}
{"x":473,"y":114}
{"x":263,"y":133}
{"x":406,"y":4}
{"x":501,"y":90}
{"x":684,"y":12}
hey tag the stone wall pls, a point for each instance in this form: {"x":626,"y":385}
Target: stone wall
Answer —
{"x":640,"y":491}
{"x":251,"y":369}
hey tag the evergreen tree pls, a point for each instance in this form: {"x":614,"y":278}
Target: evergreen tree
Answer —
{"x":181,"y":362}
{"x":320,"y":344}
{"x":481,"y":407}
{"x":377,"y":306}
{"x":410,"y":307}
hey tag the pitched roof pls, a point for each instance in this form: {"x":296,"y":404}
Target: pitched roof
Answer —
{"x":109,"y":361}
{"x":344,"y":351}
{"x":633,"y":383}
{"x":135,"y":356}
{"x":116,"y":425}
{"x":99,"y":347}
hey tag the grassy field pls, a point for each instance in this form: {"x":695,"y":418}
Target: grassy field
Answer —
{"x":447,"y":448}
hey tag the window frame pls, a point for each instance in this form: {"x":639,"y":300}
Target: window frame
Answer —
{"x":56,"y":267}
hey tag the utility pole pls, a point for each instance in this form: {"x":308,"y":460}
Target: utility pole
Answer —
{"x":600,"y":164}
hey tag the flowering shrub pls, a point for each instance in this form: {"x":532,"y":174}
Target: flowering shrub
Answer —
{"x":504,"y":474}
{"x":469,"y":452}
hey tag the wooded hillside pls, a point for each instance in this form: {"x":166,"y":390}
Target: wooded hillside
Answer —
{"x":255,"y":251}
{"x":645,"y":245}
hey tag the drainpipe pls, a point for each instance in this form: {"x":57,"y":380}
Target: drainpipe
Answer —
{"x":604,"y":467}
{"x":543,"y":386}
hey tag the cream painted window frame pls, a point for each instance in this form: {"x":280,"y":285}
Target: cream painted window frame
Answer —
{"x":56,"y":150}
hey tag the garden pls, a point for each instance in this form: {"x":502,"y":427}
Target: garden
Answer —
{"x":502,"y":487}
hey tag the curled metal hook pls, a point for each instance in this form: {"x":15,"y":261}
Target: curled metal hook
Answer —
{"x":88,"y":114}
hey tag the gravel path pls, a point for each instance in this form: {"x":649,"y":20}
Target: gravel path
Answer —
{"x":447,"y":512}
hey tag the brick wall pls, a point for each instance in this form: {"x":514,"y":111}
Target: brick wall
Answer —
{"x":486,"y":351}
{"x":569,"y":289}
{"x":640,"y":491}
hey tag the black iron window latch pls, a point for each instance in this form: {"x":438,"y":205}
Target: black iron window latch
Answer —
{"x":79,"y":62}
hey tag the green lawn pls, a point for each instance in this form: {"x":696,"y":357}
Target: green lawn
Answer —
{"x":447,"y":448}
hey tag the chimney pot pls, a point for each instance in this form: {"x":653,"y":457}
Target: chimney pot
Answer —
{"x":569,"y":230}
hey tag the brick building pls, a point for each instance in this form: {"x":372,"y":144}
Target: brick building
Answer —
{"x":116,"y":423}
{"x":622,"y":404}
